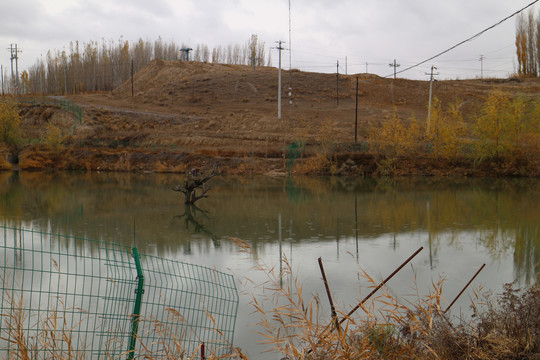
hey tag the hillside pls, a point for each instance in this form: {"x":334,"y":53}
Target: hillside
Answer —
{"x":231,"y":110}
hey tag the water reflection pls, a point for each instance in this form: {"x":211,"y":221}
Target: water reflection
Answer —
{"x":498,"y":216}
{"x":194,"y":219}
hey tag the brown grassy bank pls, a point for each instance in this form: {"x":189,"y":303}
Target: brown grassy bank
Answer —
{"x":182,"y":112}
{"x":45,"y":158}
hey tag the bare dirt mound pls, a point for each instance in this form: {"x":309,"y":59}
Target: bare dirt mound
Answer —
{"x":235,"y":107}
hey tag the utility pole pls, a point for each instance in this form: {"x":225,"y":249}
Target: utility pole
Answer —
{"x":132,"y":87}
{"x":2,"y":80}
{"x":17,"y":68}
{"x":14,"y":55}
{"x":346,"y":65}
{"x":11,"y":58}
{"x":186,"y":50}
{"x":482,"y":66}
{"x":337,"y":83}
{"x":431,"y":74}
{"x":290,"y":60}
{"x":395,"y":65}
{"x":279,"y":78}
{"x":65,"y":80}
{"x":356,"y":115}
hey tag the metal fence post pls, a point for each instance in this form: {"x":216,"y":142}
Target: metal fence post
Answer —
{"x":138,"y":301}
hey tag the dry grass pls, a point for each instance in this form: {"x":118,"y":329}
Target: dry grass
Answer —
{"x":505,"y":326}
{"x":51,"y":336}
{"x":502,"y":326}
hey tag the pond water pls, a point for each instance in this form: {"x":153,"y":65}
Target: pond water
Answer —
{"x":354,"y":225}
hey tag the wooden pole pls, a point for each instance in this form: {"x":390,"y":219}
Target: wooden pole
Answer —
{"x":332,"y":307}
{"x":381,"y":285}
{"x":466,"y":286}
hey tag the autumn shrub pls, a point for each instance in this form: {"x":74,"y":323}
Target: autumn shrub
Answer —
{"x":446,"y":130}
{"x":507,"y":127}
{"x":10,"y":119}
{"x":323,"y":160}
{"x":53,"y":136}
{"x":395,"y":137}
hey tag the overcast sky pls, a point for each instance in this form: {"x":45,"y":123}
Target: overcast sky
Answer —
{"x":353,"y":32}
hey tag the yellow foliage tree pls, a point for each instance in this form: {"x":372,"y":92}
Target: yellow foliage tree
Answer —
{"x":53,"y":137}
{"x":396,"y":137}
{"x":447,"y":130}
{"x":9,"y":124}
{"x":503,"y":125}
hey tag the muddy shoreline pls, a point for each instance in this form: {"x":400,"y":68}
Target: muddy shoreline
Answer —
{"x":87,"y":159}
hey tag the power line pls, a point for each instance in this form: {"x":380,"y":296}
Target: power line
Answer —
{"x":466,"y":40}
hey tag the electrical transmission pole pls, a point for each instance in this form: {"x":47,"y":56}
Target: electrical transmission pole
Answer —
{"x":431,"y":74}
{"x":14,"y":55}
{"x":395,"y":65}
{"x":337,"y":83}
{"x":279,"y":78}
{"x":482,"y":66}
{"x":290,"y":61}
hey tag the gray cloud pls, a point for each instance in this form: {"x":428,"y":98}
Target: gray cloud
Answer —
{"x":323,"y":32}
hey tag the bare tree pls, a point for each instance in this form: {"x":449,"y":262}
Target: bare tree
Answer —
{"x":194,"y":187}
{"x":531,"y":44}
{"x":205,"y":55}
{"x":528,"y":44}
{"x":252,"y":44}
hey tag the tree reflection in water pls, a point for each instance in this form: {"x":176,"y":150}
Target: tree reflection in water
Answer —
{"x":195,"y":217}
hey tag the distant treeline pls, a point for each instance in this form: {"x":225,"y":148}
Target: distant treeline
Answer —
{"x":528,"y":44}
{"x":102,"y":66}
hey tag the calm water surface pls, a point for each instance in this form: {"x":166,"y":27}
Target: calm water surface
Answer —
{"x":353,"y":224}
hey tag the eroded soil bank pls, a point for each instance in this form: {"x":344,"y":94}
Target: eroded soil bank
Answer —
{"x":44,"y":158}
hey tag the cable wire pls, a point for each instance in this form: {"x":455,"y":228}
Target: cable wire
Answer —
{"x":464,"y":41}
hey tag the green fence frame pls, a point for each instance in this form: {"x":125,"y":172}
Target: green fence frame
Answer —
{"x":77,"y":298}
{"x":63,"y":104}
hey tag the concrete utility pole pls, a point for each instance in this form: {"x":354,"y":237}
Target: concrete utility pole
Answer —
{"x":482,"y":66}
{"x":356,"y":115}
{"x":186,"y":50}
{"x":290,"y":60}
{"x":337,"y":83}
{"x":17,"y":69}
{"x":430,"y":96}
{"x":14,"y":55}
{"x":395,"y":65}
{"x":279,"y":78}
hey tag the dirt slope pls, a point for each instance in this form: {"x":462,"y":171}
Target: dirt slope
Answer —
{"x":228,"y":107}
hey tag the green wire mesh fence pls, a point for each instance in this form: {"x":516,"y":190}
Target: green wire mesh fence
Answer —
{"x":63,"y":104}
{"x":68,"y":297}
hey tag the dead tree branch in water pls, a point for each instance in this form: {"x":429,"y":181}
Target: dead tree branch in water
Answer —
{"x":194,"y":187}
